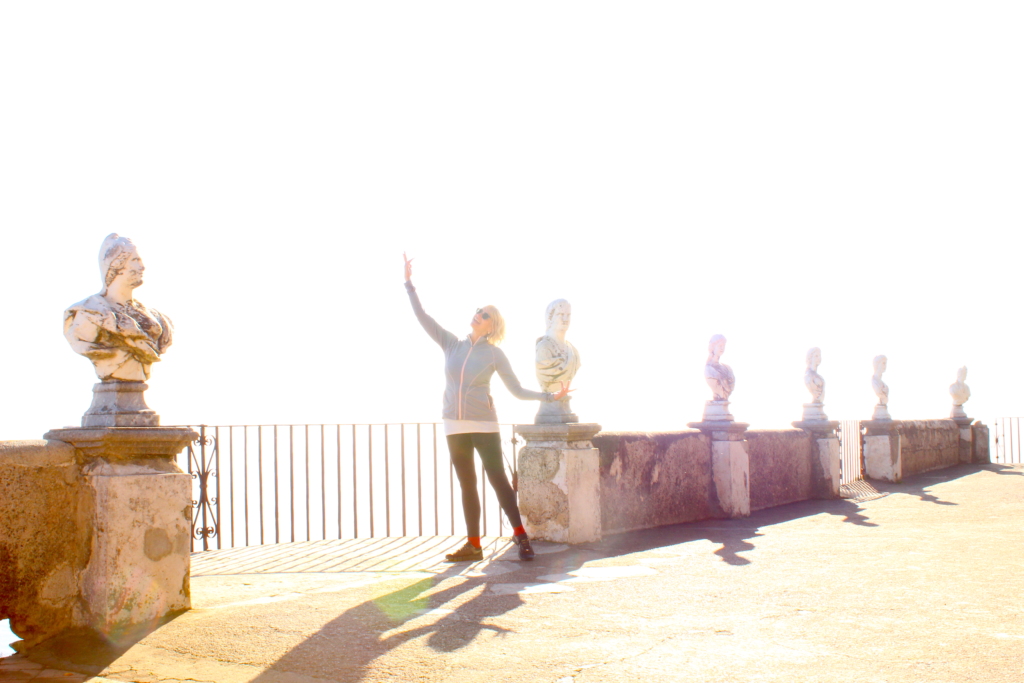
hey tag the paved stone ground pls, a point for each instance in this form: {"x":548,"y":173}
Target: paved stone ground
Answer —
{"x":922,"y":581}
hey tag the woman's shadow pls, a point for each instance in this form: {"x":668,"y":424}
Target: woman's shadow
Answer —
{"x":348,"y":644}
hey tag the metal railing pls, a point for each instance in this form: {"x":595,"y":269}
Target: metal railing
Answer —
{"x":1007,"y":441}
{"x":260,"y":484}
{"x":851,"y":457}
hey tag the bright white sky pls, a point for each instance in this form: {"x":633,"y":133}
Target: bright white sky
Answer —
{"x":842,"y":175}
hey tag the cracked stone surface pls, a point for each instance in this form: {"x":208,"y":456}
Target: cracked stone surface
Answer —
{"x":923,"y":583}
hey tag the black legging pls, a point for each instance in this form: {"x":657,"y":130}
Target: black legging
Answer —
{"x":489,"y":447}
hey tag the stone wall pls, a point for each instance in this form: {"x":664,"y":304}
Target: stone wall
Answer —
{"x":44,"y":544}
{"x":781,"y":467}
{"x":928,"y":445}
{"x":649,"y":480}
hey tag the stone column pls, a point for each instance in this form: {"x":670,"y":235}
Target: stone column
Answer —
{"x":883,"y":458}
{"x":560,"y":482}
{"x":966,"y":437}
{"x":980,"y":443}
{"x":826,"y":457}
{"x":139,"y":506}
{"x":730,"y":464}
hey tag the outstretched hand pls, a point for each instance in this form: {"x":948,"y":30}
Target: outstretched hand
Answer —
{"x":563,"y":393}
{"x":408,"y":267}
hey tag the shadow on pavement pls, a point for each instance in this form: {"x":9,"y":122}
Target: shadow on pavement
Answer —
{"x":89,"y":652}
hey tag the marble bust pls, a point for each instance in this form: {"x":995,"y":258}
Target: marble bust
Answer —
{"x":960,"y":393}
{"x":557,"y":361}
{"x":720,"y":378}
{"x":120,"y":335}
{"x":880,"y":389}
{"x":815,"y":383}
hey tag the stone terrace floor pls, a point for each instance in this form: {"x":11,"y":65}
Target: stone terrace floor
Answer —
{"x":921,"y":581}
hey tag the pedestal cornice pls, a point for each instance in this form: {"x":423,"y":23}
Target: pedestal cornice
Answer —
{"x":125,"y":443}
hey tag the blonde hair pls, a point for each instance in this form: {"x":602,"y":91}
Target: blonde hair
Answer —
{"x":497,"y":333}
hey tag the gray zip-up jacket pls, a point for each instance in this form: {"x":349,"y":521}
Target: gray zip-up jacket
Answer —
{"x":468,"y":368}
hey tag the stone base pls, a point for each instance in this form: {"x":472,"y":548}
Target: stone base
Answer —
{"x":814,"y":412}
{"x":139,"y":521}
{"x":138,"y":571}
{"x":730,"y":471}
{"x":881,"y":413}
{"x":560,"y":482}
{"x":556,"y":412}
{"x":717,"y":411}
{"x":826,"y":467}
{"x":120,"y":404}
{"x":883,"y":457}
{"x":957,"y":413}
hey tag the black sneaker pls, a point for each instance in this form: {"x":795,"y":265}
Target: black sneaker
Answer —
{"x":467,"y":553}
{"x":525,"y":549}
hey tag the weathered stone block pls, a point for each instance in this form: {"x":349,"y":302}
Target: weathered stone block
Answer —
{"x":730,"y":469}
{"x":560,"y":482}
{"x":882,"y":457}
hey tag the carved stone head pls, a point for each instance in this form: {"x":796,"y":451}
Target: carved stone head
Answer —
{"x":961,"y":375}
{"x":880,"y":363}
{"x":557,"y":316}
{"x":119,"y":258}
{"x":716,"y":347}
{"x":813,"y":358}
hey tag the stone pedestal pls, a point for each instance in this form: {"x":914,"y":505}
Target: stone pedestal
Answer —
{"x":119,"y":404}
{"x":825,"y":461}
{"x":560,"y":482}
{"x":140,"y":512}
{"x":979,"y":443}
{"x":556,"y":412}
{"x":717,"y":411}
{"x":882,"y":451}
{"x":814,"y":412}
{"x":881,"y":413}
{"x":730,"y":464}
{"x":966,"y":434}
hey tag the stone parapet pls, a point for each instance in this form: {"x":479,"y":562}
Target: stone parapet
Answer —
{"x":95,"y":532}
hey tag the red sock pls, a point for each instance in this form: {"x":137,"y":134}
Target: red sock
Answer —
{"x":474,"y":541}
{"x":519,"y":531}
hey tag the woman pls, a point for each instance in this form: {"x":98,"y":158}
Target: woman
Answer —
{"x":469,"y":417}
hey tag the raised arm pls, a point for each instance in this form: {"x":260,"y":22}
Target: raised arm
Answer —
{"x":443,"y":337}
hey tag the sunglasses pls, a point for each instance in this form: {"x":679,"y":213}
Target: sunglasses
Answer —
{"x":485,"y":316}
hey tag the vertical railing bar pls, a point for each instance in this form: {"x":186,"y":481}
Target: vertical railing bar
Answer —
{"x":451,"y":491}
{"x":291,"y":480}
{"x":277,"y":494}
{"x":401,"y":427}
{"x":483,"y":498}
{"x":204,"y":490}
{"x":338,"y":444}
{"x":193,"y":509}
{"x":217,"y":515}
{"x":1011,"y":440}
{"x":355,"y":488}
{"x":387,"y":485}
{"x":437,"y":523}
{"x":419,"y":478}
{"x":369,"y":431}
{"x":323,"y":485}
{"x":259,"y":436}
{"x":245,"y":479}
{"x":307,"y":483}
{"x":231,"y":481}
